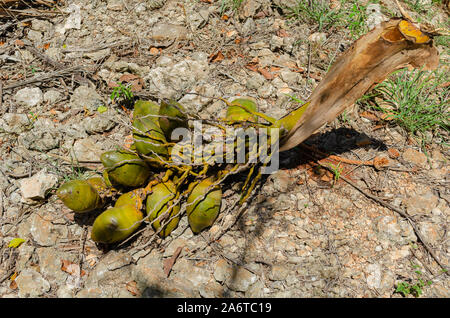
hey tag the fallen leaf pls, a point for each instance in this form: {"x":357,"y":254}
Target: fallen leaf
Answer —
{"x":13,"y":276}
{"x":216,"y":57}
{"x":91,"y":259}
{"x":16,"y":242}
{"x":369,"y":115}
{"x":128,"y":141}
{"x":128,"y":78}
{"x":445,"y":85}
{"x":19,"y":43}
{"x":154,"y":51}
{"x":132,"y":288}
{"x":380,"y":162}
{"x":275,"y":68}
{"x":71,"y":268}
{"x":282,"y":33}
{"x":412,"y":33}
{"x":393,"y":153}
{"x":387,"y":116}
{"x":168,"y":263}
{"x":252,"y":67}
{"x":316,"y":76}
{"x":267,"y":75}
{"x":377,"y":127}
{"x":13,"y":285}
{"x":101,"y":109}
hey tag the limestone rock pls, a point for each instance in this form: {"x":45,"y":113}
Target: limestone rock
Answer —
{"x":29,"y":96}
{"x":31,"y":284}
{"x":37,"y":186}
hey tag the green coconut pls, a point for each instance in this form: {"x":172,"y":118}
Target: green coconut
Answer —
{"x":173,"y":115}
{"x":158,"y":202}
{"x":79,"y":196}
{"x":130,"y":198}
{"x":203,"y":211}
{"x":148,"y":136}
{"x":125,"y":168}
{"x":236,"y":113}
{"x":116,"y":224}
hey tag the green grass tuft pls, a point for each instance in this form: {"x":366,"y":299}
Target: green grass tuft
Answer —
{"x":418,"y":101}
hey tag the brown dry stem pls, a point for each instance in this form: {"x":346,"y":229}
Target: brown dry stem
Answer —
{"x":367,"y":62}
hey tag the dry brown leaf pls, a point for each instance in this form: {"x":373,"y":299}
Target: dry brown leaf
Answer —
{"x":380,"y":162}
{"x":252,"y":67}
{"x":19,"y":43}
{"x":216,"y":57}
{"x":369,"y":115}
{"x":267,"y":75}
{"x":13,"y":285}
{"x":393,"y":153}
{"x":282,"y":33}
{"x":367,"y":62}
{"x":168,"y":263}
{"x":154,"y":51}
{"x":71,"y":268}
{"x":132,"y":288}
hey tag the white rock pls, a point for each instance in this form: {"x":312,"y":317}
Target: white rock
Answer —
{"x":37,"y":186}
{"x":31,"y":284}
{"x":73,"y":21}
{"x":14,"y":123}
{"x":29,"y":96}
{"x":40,"y":25}
{"x":86,"y":150}
{"x":374,"y":276}
{"x":318,"y":37}
{"x":374,"y":15}
{"x":34,"y":36}
{"x":86,"y":97}
{"x":52,"y":96}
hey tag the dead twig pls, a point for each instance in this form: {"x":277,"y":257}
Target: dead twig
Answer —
{"x":46,"y":77}
{"x":44,"y":57}
{"x":403,"y":214}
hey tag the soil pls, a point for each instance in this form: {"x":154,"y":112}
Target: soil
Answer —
{"x":305,"y":232}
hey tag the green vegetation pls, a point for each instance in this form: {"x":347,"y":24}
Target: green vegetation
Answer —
{"x":316,"y":12}
{"x":337,"y":170}
{"x":418,"y":101}
{"x":230,"y":5}
{"x":122,"y":92}
{"x":414,"y":288}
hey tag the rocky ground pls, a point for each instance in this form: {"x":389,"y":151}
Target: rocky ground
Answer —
{"x":301,"y":235}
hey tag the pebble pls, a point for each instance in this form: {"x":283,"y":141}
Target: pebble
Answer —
{"x":413,"y":156}
{"x":40,"y":139}
{"x":14,"y":123}
{"x":85,"y":97}
{"x":168,"y":32}
{"x":86,"y":150}
{"x":241,"y":280}
{"x":374,"y":276}
{"x":318,"y":37}
{"x":29,"y":97}
{"x":52,"y":96}
{"x":31,"y":284}
{"x":99,"y":123}
{"x":374,"y":15}
{"x":40,"y":25}
{"x":37,"y":186}
{"x":421,"y":203}
{"x":279,"y":272}
{"x":34,"y":36}
{"x":222,"y":271}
